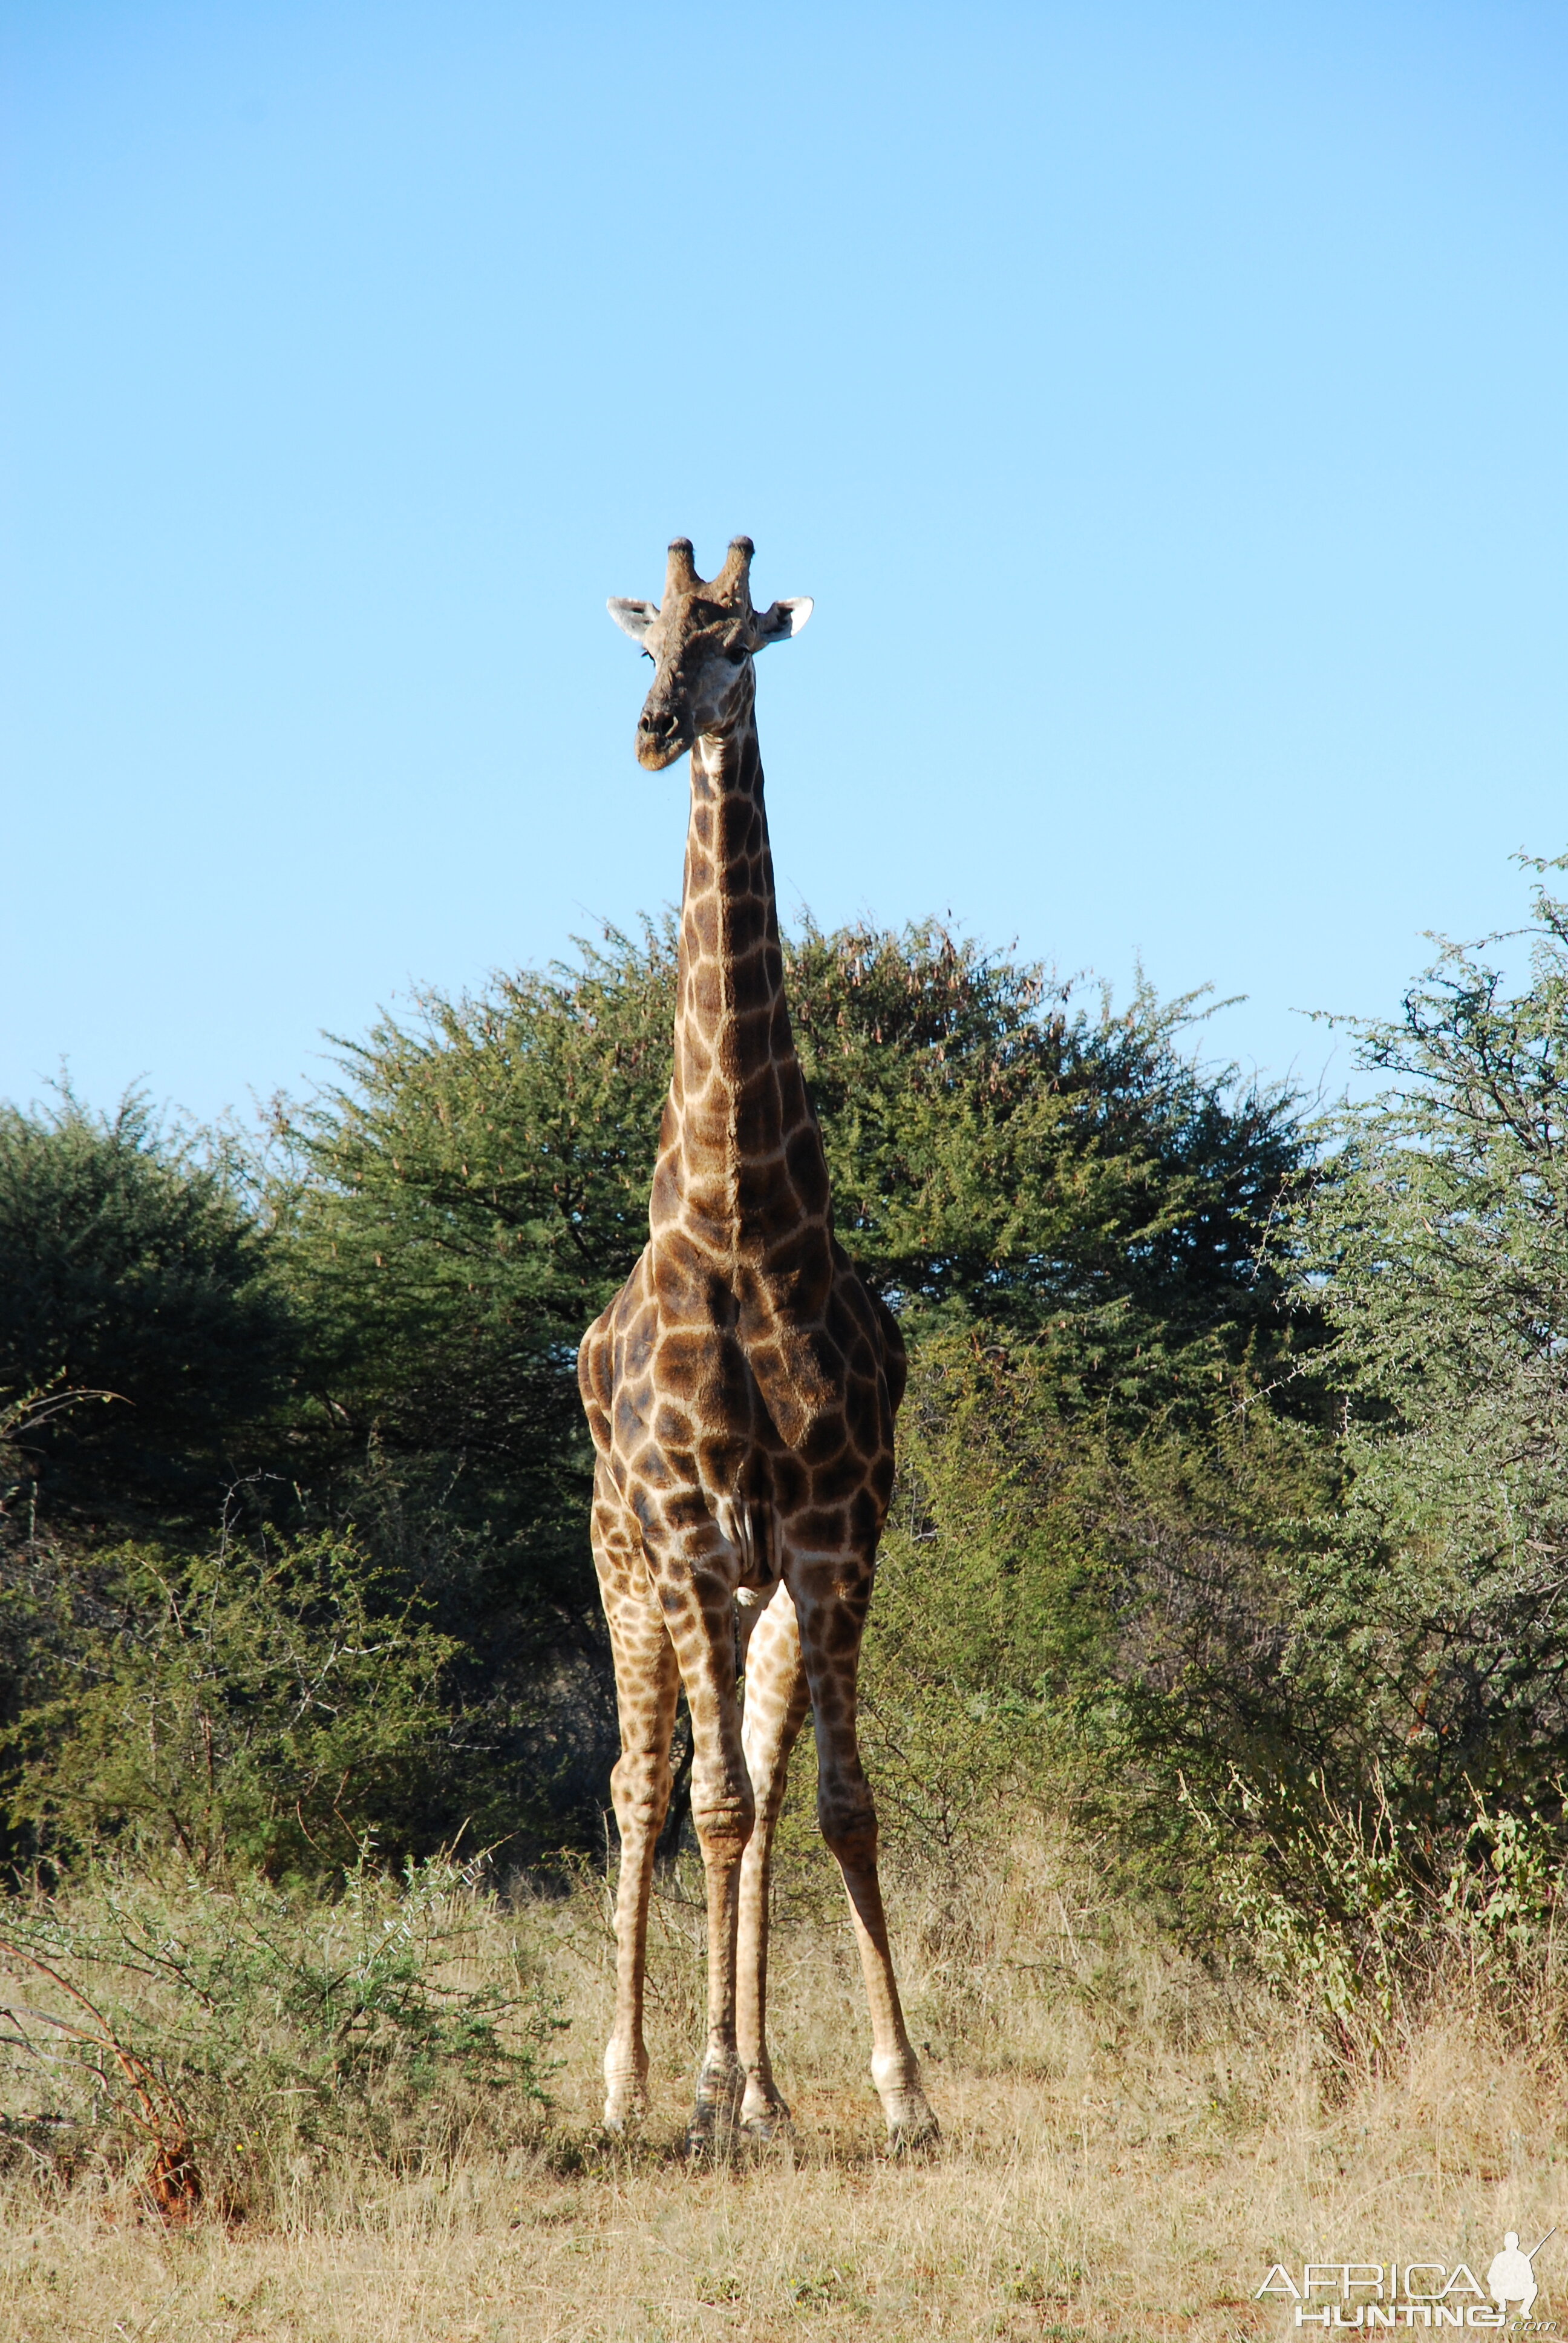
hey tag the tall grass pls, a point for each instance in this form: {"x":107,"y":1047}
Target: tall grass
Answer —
{"x":1132,"y":2132}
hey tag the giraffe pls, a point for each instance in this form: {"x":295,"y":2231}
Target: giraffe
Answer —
{"x":740,"y":1390}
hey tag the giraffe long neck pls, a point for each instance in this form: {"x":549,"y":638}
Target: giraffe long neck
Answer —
{"x":740,"y":1156}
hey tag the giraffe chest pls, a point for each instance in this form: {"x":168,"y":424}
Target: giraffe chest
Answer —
{"x":684,"y":1389}
{"x":690,"y":1424}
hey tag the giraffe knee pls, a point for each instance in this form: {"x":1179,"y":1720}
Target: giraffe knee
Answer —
{"x":770,"y":1805}
{"x":848,"y":1822}
{"x":724,"y":1820}
{"x":639,"y":1787}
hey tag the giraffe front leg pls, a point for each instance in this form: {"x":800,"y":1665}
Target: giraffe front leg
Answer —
{"x":775,"y":1710}
{"x":832,"y":1596}
{"x":646,"y":1684}
{"x":697,"y":1589}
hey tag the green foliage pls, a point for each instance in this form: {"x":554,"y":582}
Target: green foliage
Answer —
{"x":1076,"y":1618}
{"x":1230,"y":1511}
{"x":1431,"y":1630}
{"x":487,"y":1169}
{"x":1371,"y":1729}
{"x":988,"y":1621}
{"x":209,"y":2034}
{"x":1236,"y":1641}
{"x":1231,"y":1514}
{"x":131,"y":1265}
{"x":460,"y":1209}
{"x":1358,"y":1917}
{"x":464,"y":1206}
{"x":272,"y":1704}
{"x":480,"y":1189}
{"x":995,"y":1149}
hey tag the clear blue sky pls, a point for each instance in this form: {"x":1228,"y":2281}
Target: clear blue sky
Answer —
{"x":1166,"y":406}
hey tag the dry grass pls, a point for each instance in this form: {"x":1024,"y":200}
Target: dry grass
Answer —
{"x":1129,"y":2144}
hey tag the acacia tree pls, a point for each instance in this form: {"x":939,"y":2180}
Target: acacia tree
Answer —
{"x":475,"y":1189}
{"x":1003,"y":1155}
{"x":993,"y":1146}
{"x":382,"y":1335}
{"x":144,"y":1363}
{"x":1432,"y":1626}
{"x":1048,"y":1175}
{"x":132,"y":1265}
{"x":262,"y":1702}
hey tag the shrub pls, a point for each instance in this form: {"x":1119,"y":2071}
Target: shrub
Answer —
{"x":1429,"y":1633}
{"x":1072,"y":1617}
{"x":1360,"y":1923}
{"x":207,"y":2036}
{"x":266,"y":1702}
{"x":131,"y":1264}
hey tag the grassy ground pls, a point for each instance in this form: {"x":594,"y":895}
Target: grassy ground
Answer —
{"x":1129,"y":2144}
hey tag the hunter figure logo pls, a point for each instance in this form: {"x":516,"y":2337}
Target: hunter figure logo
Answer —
{"x":1371,"y":2295}
{"x":1512,"y":2276}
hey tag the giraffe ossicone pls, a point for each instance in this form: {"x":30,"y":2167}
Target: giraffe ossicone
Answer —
{"x":740,"y":1390}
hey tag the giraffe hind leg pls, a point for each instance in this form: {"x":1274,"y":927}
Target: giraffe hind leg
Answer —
{"x":831,"y":1596}
{"x":695,"y":1568}
{"x":646,"y":1684}
{"x":774,"y":1711}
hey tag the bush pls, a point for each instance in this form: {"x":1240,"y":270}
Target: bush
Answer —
{"x":213,"y":2037}
{"x":1361,"y":1924}
{"x":1000,"y":1152}
{"x":1074,"y":1617}
{"x":131,"y":1265}
{"x":267,"y":1703}
{"x":1430,"y":1636}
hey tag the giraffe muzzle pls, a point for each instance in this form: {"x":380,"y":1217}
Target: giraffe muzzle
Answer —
{"x":662,"y":735}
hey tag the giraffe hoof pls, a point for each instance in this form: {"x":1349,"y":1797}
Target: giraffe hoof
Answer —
{"x":713,"y":2117}
{"x":709,"y":2133}
{"x":915,"y":2135}
{"x":767,"y":2119}
{"x":624,"y":2110}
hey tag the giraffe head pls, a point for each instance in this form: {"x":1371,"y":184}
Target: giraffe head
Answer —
{"x":702,"y":639}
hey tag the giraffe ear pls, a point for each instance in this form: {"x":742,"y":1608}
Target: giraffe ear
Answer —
{"x":783,"y":620}
{"x":633,"y":618}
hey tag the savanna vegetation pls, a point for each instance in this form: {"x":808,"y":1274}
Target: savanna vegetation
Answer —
{"x":1216,"y":1693}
